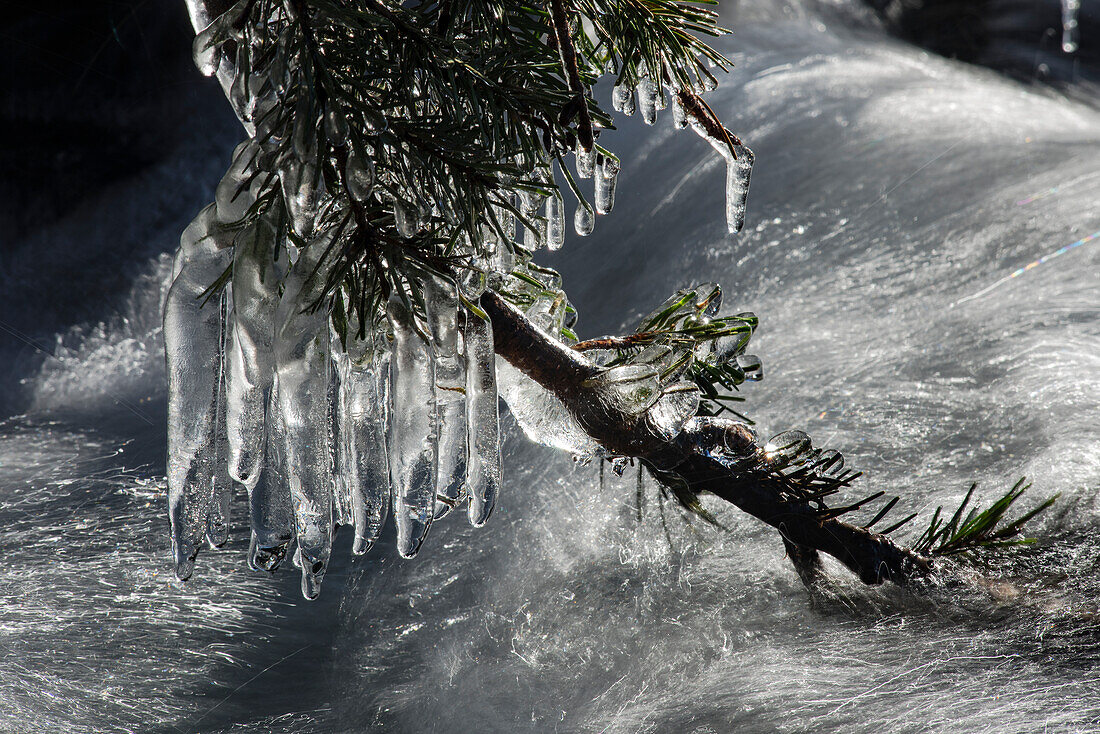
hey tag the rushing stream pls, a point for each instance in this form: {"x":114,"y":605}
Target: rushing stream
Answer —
{"x":920,"y":248}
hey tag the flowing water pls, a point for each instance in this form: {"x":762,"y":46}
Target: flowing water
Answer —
{"x":918,"y":248}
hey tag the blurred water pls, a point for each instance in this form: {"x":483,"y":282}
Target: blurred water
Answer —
{"x":890,"y":188}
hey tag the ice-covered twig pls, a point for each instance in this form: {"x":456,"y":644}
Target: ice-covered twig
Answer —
{"x":567,"y":374}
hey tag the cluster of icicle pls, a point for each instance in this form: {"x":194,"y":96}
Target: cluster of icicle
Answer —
{"x":401,"y":420}
{"x":261,"y":394}
{"x":739,"y":160}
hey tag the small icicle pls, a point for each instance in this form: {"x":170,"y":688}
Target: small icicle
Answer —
{"x":302,"y":360}
{"x":271,"y":512}
{"x":647,"y":100}
{"x":441,"y":302}
{"x":738,"y":173}
{"x":586,"y":161}
{"x":483,"y":470}
{"x":368,"y":412}
{"x":205,"y":48}
{"x":618,"y":96}
{"x":232,"y":195}
{"x":404,"y":218}
{"x":302,"y":189}
{"x":679,"y":117}
{"x":555,"y":222}
{"x":752,"y":367}
{"x":413,"y":430}
{"x":239,"y":96}
{"x":1070,"y":10}
{"x":336,"y":127}
{"x":629,"y":105}
{"x":360,"y":175}
{"x":345,"y":464}
{"x":605,"y":185}
{"x":250,"y":356}
{"x":192,"y":335}
{"x":221,"y":489}
{"x":583,"y":220}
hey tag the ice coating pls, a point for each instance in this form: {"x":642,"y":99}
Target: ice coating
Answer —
{"x":483,"y":469}
{"x":542,"y":417}
{"x":631,"y":388}
{"x":413,"y":430}
{"x":441,"y":303}
{"x":192,"y":345}
{"x":302,"y":360}
{"x":606,"y":178}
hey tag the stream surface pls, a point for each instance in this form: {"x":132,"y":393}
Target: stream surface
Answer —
{"x":895,"y":195}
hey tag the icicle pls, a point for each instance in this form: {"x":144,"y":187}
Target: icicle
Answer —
{"x":205,"y":48}
{"x":413,"y":444}
{"x":404,"y":218}
{"x":629,"y":105}
{"x":679,"y":116}
{"x":739,"y":162}
{"x":239,"y":96}
{"x":605,"y":185}
{"x":250,"y":357}
{"x":302,"y":191}
{"x":503,"y":258}
{"x":271,"y":512}
{"x":586,"y":161}
{"x":583,"y":220}
{"x":341,"y":436}
{"x":441,"y":302}
{"x":647,"y":100}
{"x":191,"y":343}
{"x":483,"y":471}
{"x":221,"y":490}
{"x":302,"y":359}
{"x":360,"y":175}
{"x":555,"y":222}
{"x":336,"y":127}
{"x":738,"y":173}
{"x":232,"y":195}
{"x":1070,"y":9}
{"x":751,"y":365}
{"x":618,"y":96}
{"x":364,"y":399}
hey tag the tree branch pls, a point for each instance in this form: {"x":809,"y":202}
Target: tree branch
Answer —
{"x":694,"y":456}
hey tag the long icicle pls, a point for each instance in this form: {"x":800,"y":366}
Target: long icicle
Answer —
{"x":192,"y":334}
